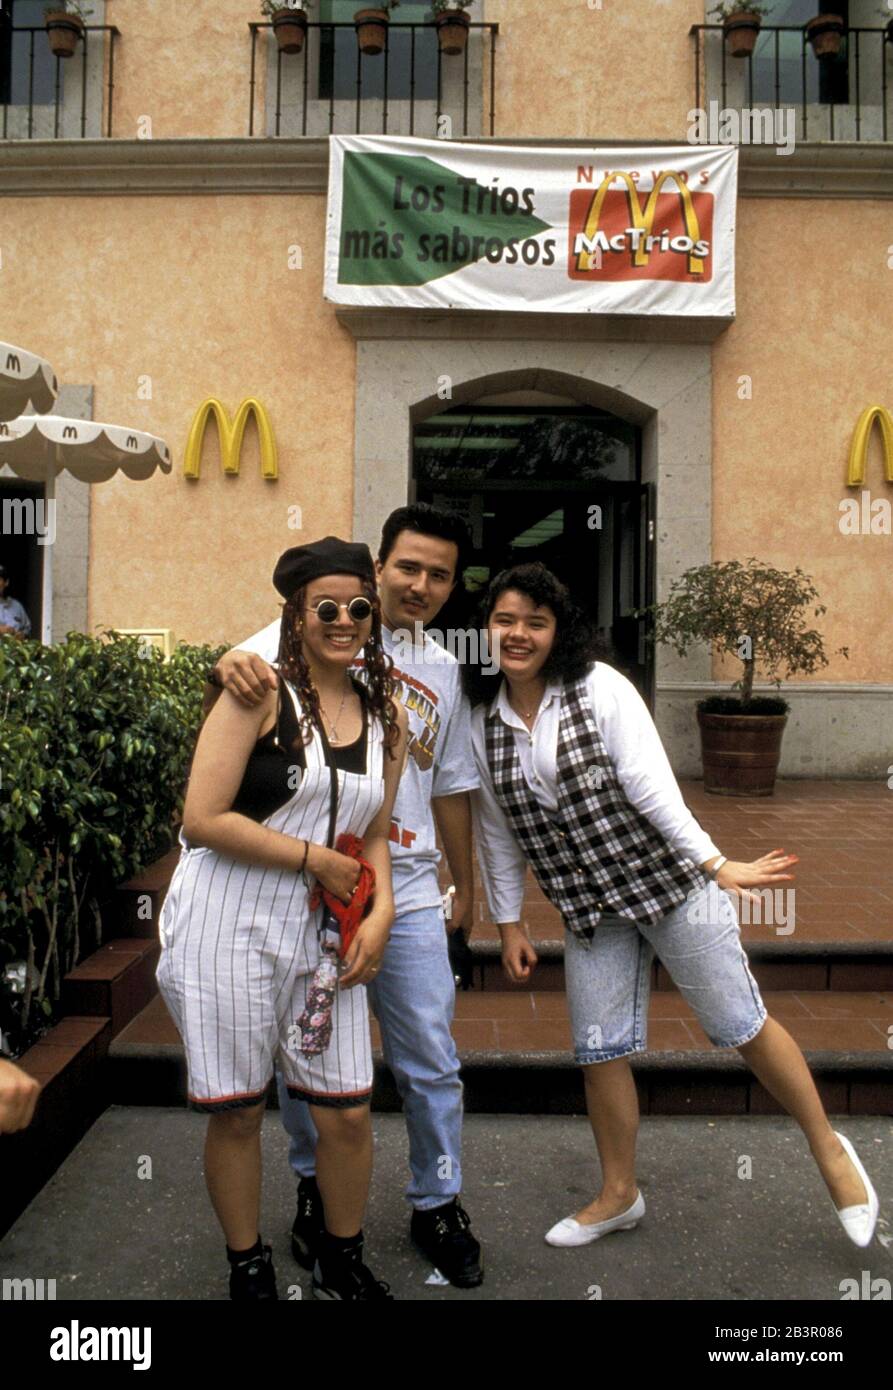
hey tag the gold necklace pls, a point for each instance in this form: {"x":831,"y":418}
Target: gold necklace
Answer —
{"x":333,"y":734}
{"x":529,"y":714}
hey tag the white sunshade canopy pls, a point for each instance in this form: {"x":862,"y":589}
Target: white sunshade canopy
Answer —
{"x":25,"y":378}
{"x":39,"y":447}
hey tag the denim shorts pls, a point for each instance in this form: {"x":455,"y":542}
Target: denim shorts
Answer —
{"x":699,"y":943}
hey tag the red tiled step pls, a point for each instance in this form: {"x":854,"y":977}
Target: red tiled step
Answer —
{"x":115,"y":982}
{"x":532,"y":1022}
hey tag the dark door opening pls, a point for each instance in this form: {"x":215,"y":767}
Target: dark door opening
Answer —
{"x":562,"y":486}
{"x":20,"y":554}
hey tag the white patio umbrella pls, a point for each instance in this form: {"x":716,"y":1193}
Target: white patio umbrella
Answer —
{"x":25,"y":377}
{"x":39,"y":447}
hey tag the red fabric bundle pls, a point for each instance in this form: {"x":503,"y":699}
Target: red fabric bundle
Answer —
{"x":348,"y":915}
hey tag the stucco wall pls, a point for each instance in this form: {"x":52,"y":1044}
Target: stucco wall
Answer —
{"x":813,"y":329}
{"x":195,"y":296}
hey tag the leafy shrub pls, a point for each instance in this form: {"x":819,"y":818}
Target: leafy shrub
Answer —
{"x":96,"y":735}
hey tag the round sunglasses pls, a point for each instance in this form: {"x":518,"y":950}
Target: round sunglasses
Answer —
{"x":327,"y":610}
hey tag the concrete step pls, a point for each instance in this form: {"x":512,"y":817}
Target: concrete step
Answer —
{"x":516,"y":1056}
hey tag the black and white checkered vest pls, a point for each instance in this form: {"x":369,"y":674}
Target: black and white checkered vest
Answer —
{"x":597,"y":853}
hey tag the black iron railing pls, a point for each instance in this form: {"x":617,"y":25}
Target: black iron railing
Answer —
{"x":844,"y":96}
{"x":33,"y":81}
{"x":314,"y":91}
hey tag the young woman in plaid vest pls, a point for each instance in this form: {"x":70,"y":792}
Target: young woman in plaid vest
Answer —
{"x":575,"y":783}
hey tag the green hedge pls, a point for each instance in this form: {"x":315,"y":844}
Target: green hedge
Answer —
{"x":96,"y":734}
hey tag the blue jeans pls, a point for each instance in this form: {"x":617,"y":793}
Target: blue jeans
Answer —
{"x":699,"y":943}
{"x":413,"y":998}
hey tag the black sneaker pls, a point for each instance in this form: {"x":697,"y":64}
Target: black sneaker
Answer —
{"x":309,"y":1223}
{"x":444,"y":1236}
{"x":348,"y":1279}
{"x":255,"y":1278}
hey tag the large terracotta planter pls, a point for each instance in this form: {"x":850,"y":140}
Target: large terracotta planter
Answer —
{"x":825,"y":33}
{"x":372,"y":30}
{"x":741,"y":31}
{"x":290,"y":28}
{"x":452,"y":30}
{"x":740,"y":752}
{"x":64,"y":30}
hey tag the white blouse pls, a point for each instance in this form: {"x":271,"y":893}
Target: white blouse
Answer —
{"x":634,"y":747}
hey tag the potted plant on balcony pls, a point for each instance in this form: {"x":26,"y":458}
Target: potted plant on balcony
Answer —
{"x":741,"y":26}
{"x":289,"y":20}
{"x":65,"y":26}
{"x":758,"y":615}
{"x":825,"y":32}
{"x":372,"y":26}
{"x":452,"y":20}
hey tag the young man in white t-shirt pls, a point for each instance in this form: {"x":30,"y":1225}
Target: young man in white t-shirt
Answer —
{"x":421,"y":557}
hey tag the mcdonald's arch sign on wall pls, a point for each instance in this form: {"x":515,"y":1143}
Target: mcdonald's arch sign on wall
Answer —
{"x":618,"y":230}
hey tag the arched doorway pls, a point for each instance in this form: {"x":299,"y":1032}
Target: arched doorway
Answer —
{"x":541,"y":477}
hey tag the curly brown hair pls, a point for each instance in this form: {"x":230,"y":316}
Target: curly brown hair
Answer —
{"x":379,"y":683}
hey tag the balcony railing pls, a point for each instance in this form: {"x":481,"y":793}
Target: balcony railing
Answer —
{"x":332,"y":88}
{"x":56,"y":96}
{"x":846,"y":97}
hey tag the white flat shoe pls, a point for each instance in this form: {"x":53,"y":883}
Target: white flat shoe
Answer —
{"x":571,"y":1232}
{"x":859,"y":1221}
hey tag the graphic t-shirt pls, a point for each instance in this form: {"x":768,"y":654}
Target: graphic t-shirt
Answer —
{"x":440,"y":759}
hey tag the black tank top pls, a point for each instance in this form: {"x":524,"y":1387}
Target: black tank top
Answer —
{"x":273,"y":766}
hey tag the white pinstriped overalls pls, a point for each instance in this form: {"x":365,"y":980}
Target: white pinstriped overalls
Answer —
{"x":240,"y":945}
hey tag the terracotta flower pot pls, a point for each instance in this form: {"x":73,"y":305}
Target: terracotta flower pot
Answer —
{"x":64,"y":30}
{"x":452,"y":30}
{"x":740,"y":752}
{"x":290,"y":28}
{"x":741,"y":30}
{"x":825,"y":33}
{"x":372,"y":29}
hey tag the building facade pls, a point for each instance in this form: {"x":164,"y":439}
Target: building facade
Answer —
{"x":162,"y":240}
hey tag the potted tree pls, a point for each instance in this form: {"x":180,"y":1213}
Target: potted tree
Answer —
{"x":758,"y":615}
{"x":825,"y":32}
{"x":65,"y":26}
{"x":372,"y":26}
{"x":289,"y":19}
{"x":741,"y":26}
{"x":452,"y":21}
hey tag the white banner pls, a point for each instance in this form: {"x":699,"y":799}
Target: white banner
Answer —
{"x":622,"y":230}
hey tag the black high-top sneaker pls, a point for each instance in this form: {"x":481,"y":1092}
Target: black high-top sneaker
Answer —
{"x":444,"y":1236}
{"x":341,"y":1275}
{"x":309,"y":1223}
{"x":254,"y":1277}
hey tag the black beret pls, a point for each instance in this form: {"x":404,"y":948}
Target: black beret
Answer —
{"x":331,"y":555}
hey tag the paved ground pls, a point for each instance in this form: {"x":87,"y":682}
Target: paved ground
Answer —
{"x":101,"y":1231}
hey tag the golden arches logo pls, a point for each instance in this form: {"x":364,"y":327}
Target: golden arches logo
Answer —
{"x":642,"y":221}
{"x":231,"y":436}
{"x":858,"y":460}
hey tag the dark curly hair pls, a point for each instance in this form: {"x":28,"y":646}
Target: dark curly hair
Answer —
{"x":576,"y":646}
{"x":379,"y":684}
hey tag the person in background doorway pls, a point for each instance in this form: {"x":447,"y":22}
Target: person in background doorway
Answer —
{"x":14,"y":621}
